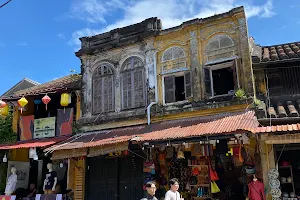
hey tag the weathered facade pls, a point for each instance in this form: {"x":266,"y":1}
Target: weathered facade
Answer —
{"x":118,"y":69}
{"x":175,"y":77}
{"x":277,"y":71}
{"x":38,"y":126}
{"x":201,"y":63}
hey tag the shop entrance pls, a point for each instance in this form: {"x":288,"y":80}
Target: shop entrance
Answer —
{"x":118,"y":178}
{"x":288,"y":168}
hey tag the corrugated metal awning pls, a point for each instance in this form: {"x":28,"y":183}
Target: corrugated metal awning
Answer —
{"x":33,"y":143}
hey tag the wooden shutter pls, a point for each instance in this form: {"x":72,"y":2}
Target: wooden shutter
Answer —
{"x":79,"y":180}
{"x":207,"y":81}
{"x":103,"y":94}
{"x":139,"y":91}
{"x":169,"y":82}
{"x":97,"y":91}
{"x":108,"y":94}
{"x":127,"y":89}
{"x":235,"y":75}
{"x":188,"y":85}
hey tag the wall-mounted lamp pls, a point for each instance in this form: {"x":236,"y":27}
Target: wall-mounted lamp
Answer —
{"x":4,"y":158}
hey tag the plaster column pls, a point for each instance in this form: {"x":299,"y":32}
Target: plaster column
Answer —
{"x":195,"y":66}
{"x":118,"y":91}
{"x":268,"y":162}
{"x":246,"y":72}
{"x":86,"y":87}
{"x":151,"y":74}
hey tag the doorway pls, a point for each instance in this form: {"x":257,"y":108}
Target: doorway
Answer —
{"x":118,"y":178}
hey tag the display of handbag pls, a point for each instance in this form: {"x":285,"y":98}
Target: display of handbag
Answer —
{"x":212,"y":173}
{"x":214,"y":187}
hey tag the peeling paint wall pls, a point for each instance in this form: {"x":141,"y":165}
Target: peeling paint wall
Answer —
{"x":145,"y":51}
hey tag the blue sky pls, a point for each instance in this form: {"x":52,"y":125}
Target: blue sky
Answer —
{"x":38,"y":38}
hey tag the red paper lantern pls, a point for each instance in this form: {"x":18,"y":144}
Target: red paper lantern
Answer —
{"x":46,"y":99}
{"x":125,"y":153}
{"x":2,"y":104}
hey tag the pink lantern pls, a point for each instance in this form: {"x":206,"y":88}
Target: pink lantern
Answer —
{"x":46,"y":99}
{"x":2,"y":104}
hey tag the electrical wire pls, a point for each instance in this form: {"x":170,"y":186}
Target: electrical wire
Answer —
{"x":5,"y":3}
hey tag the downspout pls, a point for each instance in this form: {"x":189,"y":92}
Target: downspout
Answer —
{"x":156,"y":91}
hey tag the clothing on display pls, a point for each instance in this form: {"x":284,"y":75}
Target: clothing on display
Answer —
{"x":256,"y":190}
{"x":11,"y":184}
{"x":49,"y":181}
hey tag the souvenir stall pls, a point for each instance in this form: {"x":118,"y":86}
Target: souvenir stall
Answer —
{"x":287,"y":171}
{"x":208,"y":169}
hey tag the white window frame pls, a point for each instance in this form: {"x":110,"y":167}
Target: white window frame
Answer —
{"x":218,"y":66}
{"x":173,"y":47}
{"x":180,"y":73}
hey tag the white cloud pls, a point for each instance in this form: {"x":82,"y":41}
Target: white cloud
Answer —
{"x":61,"y":36}
{"x":93,"y":11}
{"x":171,"y":12}
{"x":22,"y":44}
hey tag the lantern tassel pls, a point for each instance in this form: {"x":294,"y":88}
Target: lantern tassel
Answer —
{"x":64,"y":109}
{"x":46,"y":107}
{"x":21,"y":110}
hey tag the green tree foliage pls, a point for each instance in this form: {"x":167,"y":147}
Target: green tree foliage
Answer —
{"x":6,"y":133}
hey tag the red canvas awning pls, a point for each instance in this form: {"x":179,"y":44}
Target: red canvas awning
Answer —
{"x":33,"y":143}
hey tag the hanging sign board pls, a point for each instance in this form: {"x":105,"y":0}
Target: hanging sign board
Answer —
{"x":44,"y":127}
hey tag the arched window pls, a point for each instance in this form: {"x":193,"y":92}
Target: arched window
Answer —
{"x":103,"y":89}
{"x":219,"y":42}
{"x":173,"y":53}
{"x":133,"y":83}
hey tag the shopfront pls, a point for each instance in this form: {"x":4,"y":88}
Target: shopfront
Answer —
{"x":30,"y":162}
{"x":280,"y":150}
{"x":219,"y":167}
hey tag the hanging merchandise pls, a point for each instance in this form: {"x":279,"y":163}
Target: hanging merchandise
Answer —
{"x":37,"y":102}
{"x":2,"y":104}
{"x":64,"y":99}
{"x":4,"y":111}
{"x":32,"y":152}
{"x":22,"y":103}
{"x":180,"y":153}
{"x":4,"y":158}
{"x":46,"y":99}
{"x":214,"y":187}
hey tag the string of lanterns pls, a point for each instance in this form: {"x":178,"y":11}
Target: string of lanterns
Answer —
{"x":65,"y":100}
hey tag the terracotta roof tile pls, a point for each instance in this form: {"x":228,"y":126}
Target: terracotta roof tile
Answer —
{"x":282,"y":109}
{"x":277,"y":128}
{"x":185,"y":128}
{"x":279,"y":52}
{"x":66,"y":82}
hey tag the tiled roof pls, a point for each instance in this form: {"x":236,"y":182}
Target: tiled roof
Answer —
{"x":23,"y":84}
{"x":278,"y":128}
{"x":66,"y":82}
{"x":280,"y":109}
{"x":279,"y":52}
{"x":225,"y":125}
{"x":33,"y":143}
{"x":211,"y":125}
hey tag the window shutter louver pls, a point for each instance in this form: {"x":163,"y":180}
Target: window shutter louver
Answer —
{"x":169,"y":82}
{"x":188,"y":85}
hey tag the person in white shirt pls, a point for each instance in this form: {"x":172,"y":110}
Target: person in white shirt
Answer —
{"x":173,"y":193}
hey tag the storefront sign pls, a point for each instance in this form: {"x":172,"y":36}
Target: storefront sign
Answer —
{"x":44,"y":127}
{"x":22,"y":172}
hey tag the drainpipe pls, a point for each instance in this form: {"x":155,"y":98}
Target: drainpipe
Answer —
{"x":156,"y":91}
